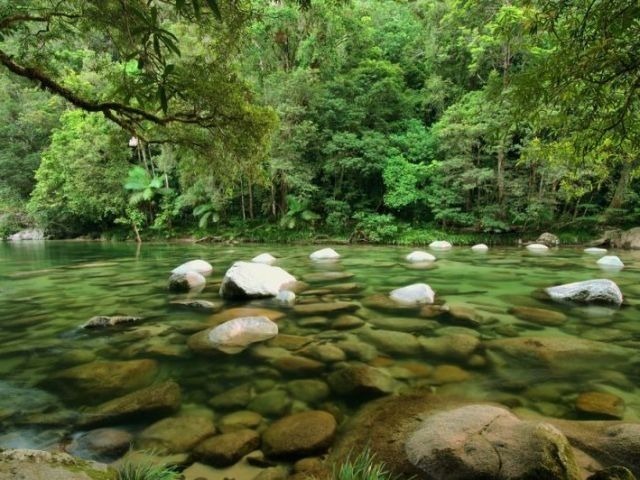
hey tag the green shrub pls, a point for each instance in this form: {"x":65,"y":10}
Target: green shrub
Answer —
{"x":145,"y":471}
{"x":363,"y":466}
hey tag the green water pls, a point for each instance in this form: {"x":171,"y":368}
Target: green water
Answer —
{"x":48,"y":290}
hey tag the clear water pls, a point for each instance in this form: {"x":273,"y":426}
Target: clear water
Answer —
{"x":49,"y":289}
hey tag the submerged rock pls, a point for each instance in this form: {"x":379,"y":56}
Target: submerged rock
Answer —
{"x":361,"y":380}
{"x":202,"y":267}
{"x":102,"y":321}
{"x":156,"y":400}
{"x":102,"y":444}
{"x":265,"y":258}
{"x":600,"y":404}
{"x":300,"y":435}
{"x":391,"y":342}
{"x":233,"y":336}
{"x":286,"y":297}
{"x":325,"y":308}
{"x":595,"y":250}
{"x":175,"y":434}
{"x":226,"y":449}
{"x":419,"y":256}
{"x":416,"y":294}
{"x":254,"y":280}
{"x":588,"y":291}
{"x":186,"y":282}
{"x":325,"y":254}
{"x":440,"y":245}
{"x":97,"y":380}
{"x":539,"y":315}
{"x":202,"y":305}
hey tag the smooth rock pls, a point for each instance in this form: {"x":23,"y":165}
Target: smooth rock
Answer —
{"x":361,"y":380}
{"x":318,"y":277}
{"x":186,"y":282}
{"x":440,"y":245}
{"x":102,"y":321}
{"x":347,"y":322}
{"x":274,"y":403}
{"x":102,"y":444}
{"x":199,"y":266}
{"x":226,"y":449}
{"x":388,"y":341}
{"x":240,"y":420}
{"x":156,"y":400}
{"x":326,"y":353}
{"x":310,"y":391}
{"x":588,"y":291}
{"x":254,"y":280}
{"x":420,"y":256}
{"x":456,"y":346}
{"x":236,"y":397}
{"x":465,"y":316}
{"x":480,"y":248}
{"x":537,"y":247}
{"x":325,"y":254}
{"x":416,"y":294}
{"x":600,"y":405}
{"x":484,"y":441}
{"x":265,"y":258}
{"x":235,"y":335}
{"x":444,"y":374}
{"x":358,"y":350}
{"x":610,"y":261}
{"x":28,"y":234}
{"x":289,"y":342}
{"x":237,"y":312}
{"x":298,"y":365}
{"x":100,"y":380}
{"x":299,"y":435}
{"x":613,"y":473}
{"x":175,"y":434}
{"x":539,"y":315}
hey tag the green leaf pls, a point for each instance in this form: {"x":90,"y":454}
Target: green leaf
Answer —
{"x":162,"y":96}
{"x":204,"y":220}
{"x":196,"y":7}
{"x":200,"y":209}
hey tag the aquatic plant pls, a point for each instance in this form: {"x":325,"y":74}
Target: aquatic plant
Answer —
{"x":145,"y":471}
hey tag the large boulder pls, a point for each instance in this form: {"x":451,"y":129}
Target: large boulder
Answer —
{"x":548,"y":239}
{"x":325,"y":254}
{"x":254,"y":280}
{"x":485,"y":441}
{"x":610,"y":261}
{"x":480,"y":248}
{"x":200,"y":266}
{"x":589,"y":291}
{"x":233,"y":336}
{"x":226,"y":449}
{"x":415,"y":294}
{"x":537,"y":248}
{"x":29,"y":234}
{"x":299,"y":435}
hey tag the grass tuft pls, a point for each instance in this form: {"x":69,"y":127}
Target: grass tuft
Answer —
{"x":146,"y":471}
{"x":363,"y":466}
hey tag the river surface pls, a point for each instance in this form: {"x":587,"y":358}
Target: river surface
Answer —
{"x":49,"y":289}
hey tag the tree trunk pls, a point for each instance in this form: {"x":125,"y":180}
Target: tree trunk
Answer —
{"x":621,"y":188}
{"x":244,"y":214}
{"x":250,"y":187}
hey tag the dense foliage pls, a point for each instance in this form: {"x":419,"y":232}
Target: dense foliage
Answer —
{"x":372,"y":120}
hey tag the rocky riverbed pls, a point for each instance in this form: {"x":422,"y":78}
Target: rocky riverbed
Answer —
{"x":233,"y":379}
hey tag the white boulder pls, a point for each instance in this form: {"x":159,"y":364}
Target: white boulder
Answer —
{"x":199,"y":266}
{"x":265,"y":258}
{"x":480,"y":248}
{"x":419,"y":256}
{"x":188,"y":281}
{"x":237,"y":334}
{"x":595,"y":251}
{"x":254,"y":280}
{"x":325,"y":254}
{"x":415,"y":294}
{"x":537,"y":248}
{"x":440,"y":245}
{"x":610,"y":261}
{"x":590,"y":291}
